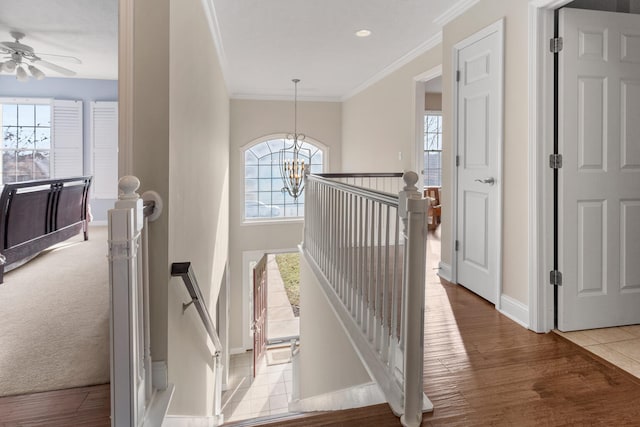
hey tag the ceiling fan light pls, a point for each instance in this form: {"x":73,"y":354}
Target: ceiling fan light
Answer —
{"x":9,"y":66}
{"x":21,"y":75}
{"x":35,"y":72}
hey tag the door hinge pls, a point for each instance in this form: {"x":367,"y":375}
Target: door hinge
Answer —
{"x":555,"y":44}
{"x":555,"y":161}
{"x":457,"y":245}
{"x":555,"y":278}
{"x":457,"y":160}
{"x":458,"y":75}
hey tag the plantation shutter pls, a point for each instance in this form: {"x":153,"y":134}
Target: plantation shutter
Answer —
{"x":104,"y":140}
{"x":67,"y":139}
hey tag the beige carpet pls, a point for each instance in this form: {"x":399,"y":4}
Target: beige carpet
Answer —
{"x":54,"y":318}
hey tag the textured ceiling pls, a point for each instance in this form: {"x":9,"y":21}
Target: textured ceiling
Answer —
{"x":265,"y":43}
{"x":86,"y":29}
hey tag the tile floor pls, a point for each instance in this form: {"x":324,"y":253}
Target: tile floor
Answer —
{"x":266,"y":394}
{"x":620,"y":346}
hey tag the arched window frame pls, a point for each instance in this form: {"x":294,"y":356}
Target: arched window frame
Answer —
{"x":260,"y":219}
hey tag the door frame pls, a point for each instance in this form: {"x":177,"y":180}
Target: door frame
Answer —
{"x":496,"y":27}
{"x":419,"y":85}
{"x":250,"y":258}
{"x":541,"y":119}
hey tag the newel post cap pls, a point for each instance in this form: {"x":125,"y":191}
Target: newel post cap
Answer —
{"x":127,"y":186}
{"x":410,"y":179}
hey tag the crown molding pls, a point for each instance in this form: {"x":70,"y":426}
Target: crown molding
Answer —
{"x":216,"y":36}
{"x":429,"y":44}
{"x":454,"y":11}
{"x":256,"y":97}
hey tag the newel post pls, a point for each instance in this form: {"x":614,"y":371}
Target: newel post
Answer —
{"x":413,"y":211}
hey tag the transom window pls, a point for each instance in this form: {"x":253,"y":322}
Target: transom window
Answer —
{"x":433,"y":149}
{"x":263,"y":195}
{"x":26,"y":141}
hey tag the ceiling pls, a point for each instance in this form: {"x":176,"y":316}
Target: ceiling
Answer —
{"x":263,"y":43}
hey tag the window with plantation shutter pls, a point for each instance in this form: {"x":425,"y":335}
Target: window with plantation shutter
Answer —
{"x":104,"y":143}
{"x":67,"y":156}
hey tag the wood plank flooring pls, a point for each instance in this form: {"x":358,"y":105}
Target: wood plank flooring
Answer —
{"x":480,"y":369}
{"x":77,"y":407}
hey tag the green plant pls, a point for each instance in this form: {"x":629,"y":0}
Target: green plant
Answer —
{"x":289,"y":267}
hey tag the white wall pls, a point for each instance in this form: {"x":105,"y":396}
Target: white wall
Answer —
{"x":151,"y":147}
{"x":328,"y":361}
{"x":515,"y":160}
{"x":199,"y":199}
{"x":251,"y":120}
{"x":379,"y":122}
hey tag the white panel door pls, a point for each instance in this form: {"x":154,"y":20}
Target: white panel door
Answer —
{"x":67,"y":139}
{"x":479,"y":136}
{"x":599,"y":182}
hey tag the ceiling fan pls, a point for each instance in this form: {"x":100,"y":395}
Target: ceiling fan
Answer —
{"x":18,"y":56}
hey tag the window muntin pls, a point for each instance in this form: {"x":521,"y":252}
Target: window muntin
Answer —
{"x":263,"y":195}
{"x":26,"y":141}
{"x":433,"y":149}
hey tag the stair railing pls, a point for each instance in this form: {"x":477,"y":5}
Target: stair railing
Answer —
{"x":373,"y":273}
{"x":133,"y":393}
{"x":184,"y":270}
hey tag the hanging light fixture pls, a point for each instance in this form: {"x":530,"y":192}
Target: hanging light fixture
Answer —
{"x":293,"y":155}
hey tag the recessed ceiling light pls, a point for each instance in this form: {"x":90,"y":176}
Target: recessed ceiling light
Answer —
{"x":363,"y":33}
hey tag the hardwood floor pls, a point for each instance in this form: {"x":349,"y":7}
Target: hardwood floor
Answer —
{"x":77,"y":407}
{"x":483,"y":369}
{"x":480,"y":369}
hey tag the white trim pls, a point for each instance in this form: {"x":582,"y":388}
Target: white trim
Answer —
{"x":427,"y":45}
{"x":125,"y":86}
{"x":514,"y":310}
{"x":272,"y":221}
{"x":216,"y":36}
{"x":159,"y":406}
{"x":498,"y":28}
{"x":540,"y":186}
{"x":444,"y":271}
{"x":454,"y":11}
{"x":418,"y":125}
{"x":102,"y":223}
{"x":254,"y":97}
{"x":353,"y":397}
{"x":249,"y":257}
{"x":160,"y":375}
{"x":237,"y":350}
{"x":190,"y":421}
{"x":24,"y":100}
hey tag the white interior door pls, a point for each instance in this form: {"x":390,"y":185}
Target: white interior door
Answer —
{"x":599,"y":182}
{"x":479,"y":146}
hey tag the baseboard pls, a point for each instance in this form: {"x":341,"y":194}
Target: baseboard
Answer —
{"x":100,"y":223}
{"x":444,"y":271}
{"x":514,"y":310}
{"x":237,"y":350}
{"x":159,"y":375}
{"x":187,"y":421}
{"x":352,"y":397}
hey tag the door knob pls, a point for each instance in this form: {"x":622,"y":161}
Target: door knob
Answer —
{"x":489,"y":181}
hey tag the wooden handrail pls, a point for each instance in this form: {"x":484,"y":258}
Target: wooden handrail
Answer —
{"x":184,"y":270}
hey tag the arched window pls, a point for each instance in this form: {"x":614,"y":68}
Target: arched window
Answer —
{"x":263,"y":195}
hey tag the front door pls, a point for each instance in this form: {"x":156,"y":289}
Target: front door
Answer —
{"x":259,"y":324}
{"x":599,"y":181}
{"x":479,"y":146}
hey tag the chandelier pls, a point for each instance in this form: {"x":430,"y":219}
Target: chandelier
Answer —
{"x":292,"y":156}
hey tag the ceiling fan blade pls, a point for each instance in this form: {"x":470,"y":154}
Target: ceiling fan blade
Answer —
{"x":60,"y":58}
{"x":57,"y":68}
